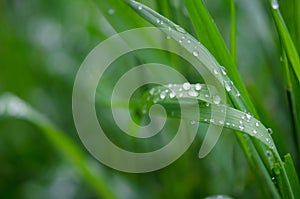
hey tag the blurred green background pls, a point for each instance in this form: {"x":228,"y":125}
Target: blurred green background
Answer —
{"x":42,"y":45}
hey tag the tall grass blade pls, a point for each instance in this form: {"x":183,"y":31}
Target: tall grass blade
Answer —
{"x":286,"y":39}
{"x":207,"y":60}
{"x":233,"y":31}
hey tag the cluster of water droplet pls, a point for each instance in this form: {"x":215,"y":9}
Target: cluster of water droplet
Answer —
{"x":246,"y":122}
{"x":185,"y":90}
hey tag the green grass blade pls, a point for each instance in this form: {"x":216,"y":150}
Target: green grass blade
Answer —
{"x":211,"y":38}
{"x":203,"y":23}
{"x":204,"y":57}
{"x":129,"y":18}
{"x":233,"y":31}
{"x":11,"y":107}
{"x":286,"y":39}
{"x":234,"y":119}
{"x":291,"y":64}
{"x":292,"y":174}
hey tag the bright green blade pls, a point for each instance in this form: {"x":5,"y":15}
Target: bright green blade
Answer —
{"x":286,"y":39}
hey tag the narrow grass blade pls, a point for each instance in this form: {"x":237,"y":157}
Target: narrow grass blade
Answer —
{"x":291,"y":63}
{"x":11,"y":107}
{"x":286,"y":39}
{"x":292,"y":174}
{"x":204,"y":24}
{"x":211,"y":38}
{"x":233,"y":31}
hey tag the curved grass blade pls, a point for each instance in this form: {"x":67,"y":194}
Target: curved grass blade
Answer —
{"x":207,"y":60}
{"x":234,"y":119}
{"x":11,"y":107}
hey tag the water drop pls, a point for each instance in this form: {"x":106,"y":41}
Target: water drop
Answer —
{"x":281,"y":59}
{"x":238,"y":94}
{"x":179,"y":29}
{"x":270,"y":131}
{"x":227,"y":123}
{"x":207,"y":104}
{"x":216,"y":71}
{"x":111,"y":11}
{"x":169,"y":28}
{"x":257,"y":124}
{"x":223,"y":69}
{"x":169,"y":85}
{"x":162,"y":95}
{"x":216,"y":99}
{"x":172,"y":95}
{"x":188,"y":41}
{"x":162,"y":22}
{"x":248,"y":116}
{"x":168,"y":37}
{"x":212,"y":120}
{"x":273,"y":178}
{"x":140,"y":7}
{"x":254,"y":131}
{"x":233,"y":125}
{"x":240,"y":122}
{"x":205,"y":120}
{"x":193,"y":93}
{"x":267,"y":139}
{"x":275,"y":4}
{"x":241,"y":127}
{"x":180,"y":41}
{"x":195,"y":53}
{"x":152,"y":91}
{"x":186,"y":86}
{"x":227,"y":86}
{"x":206,"y":95}
{"x":157,"y":21}
{"x":243,"y":117}
{"x":198,"y":87}
{"x":193,"y":122}
{"x":221,"y":122}
{"x":183,"y":37}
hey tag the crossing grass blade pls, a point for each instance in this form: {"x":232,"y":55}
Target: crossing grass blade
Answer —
{"x":211,"y":38}
{"x":239,"y":99}
{"x":234,"y":119}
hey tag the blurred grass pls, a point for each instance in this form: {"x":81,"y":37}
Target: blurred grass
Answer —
{"x":42,"y":44}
